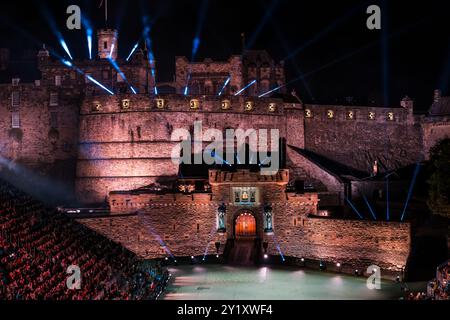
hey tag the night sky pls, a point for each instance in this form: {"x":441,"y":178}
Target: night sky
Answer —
{"x":325,"y":41}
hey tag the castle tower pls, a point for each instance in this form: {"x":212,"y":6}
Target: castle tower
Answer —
{"x":107,"y":43}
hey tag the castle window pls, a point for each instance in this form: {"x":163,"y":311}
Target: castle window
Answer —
{"x":194,"y":104}
{"x":37,"y":83}
{"x":390,"y":116}
{"x":226,"y":104}
{"x":371,"y":115}
{"x":350,"y":115}
{"x":105,"y":74}
{"x":330,"y":114}
{"x":53,"y":119}
{"x":15,"y":99}
{"x":15,"y":119}
{"x":198,"y":227}
{"x":160,"y":103}
{"x":96,"y":106}
{"x":73,"y":75}
{"x":15,"y":82}
{"x":249,"y":105}
{"x":120,"y":78}
{"x":245,"y":195}
{"x":295,"y":222}
{"x":105,"y":45}
{"x":53,"y":99}
{"x":265,"y":84}
{"x":125,"y":105}
{"x":272,"y":107}
{"x":308,"y":113}
{"x":58,"y":80}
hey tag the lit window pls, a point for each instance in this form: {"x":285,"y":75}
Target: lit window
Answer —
{"x":15,"y":99}
{"x":330,"y":114}
{"x":57,"y":80}
{"x":249,"y":106}
{"x":390,"y":116}
{"x":15,"y":82}
{"x":125,"y":104}
{"x":350,"y":115}
{"x":371,"y":115}
{"x":308,"y":113}
{"x":245,"y":195}
{"x":15,"y":120}
{"x":272,"y":107}
{"x":37,"y":83}
{"x":53,"y":99}
{"x":194,"y":104}
{"x":160,"y":103}
{"x":96,"y":106}
{"x":53,"y":119}
{"x":226,"y":104}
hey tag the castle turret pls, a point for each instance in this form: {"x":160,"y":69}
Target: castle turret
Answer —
{"x":107,"y":43}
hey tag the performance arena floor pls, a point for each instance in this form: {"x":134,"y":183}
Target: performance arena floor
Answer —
{"x":221,"y":282}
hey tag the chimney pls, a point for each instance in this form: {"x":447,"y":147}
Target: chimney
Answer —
{"x":437,"y":95}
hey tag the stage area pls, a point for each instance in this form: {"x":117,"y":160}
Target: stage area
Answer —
{"x":221,"y":282}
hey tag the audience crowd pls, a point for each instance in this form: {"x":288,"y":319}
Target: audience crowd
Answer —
{"x":439,"y":288}
{"x":37,"y":246}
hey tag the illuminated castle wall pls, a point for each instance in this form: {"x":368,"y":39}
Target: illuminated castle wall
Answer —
{"x":54,"y":127}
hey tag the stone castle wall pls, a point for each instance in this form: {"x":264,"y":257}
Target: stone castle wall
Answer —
{"x":123,"y":149}
{"x":356,"y":243}
{"x":187,"y":225}
{"x":357,"y":143}
{"x":434,"y":130}
{"x":47,"y":147}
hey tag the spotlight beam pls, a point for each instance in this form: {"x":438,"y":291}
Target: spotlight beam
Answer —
{"x":132,"y":51}
{"x":53,"y":26}
{"x":267,"y":14}
{"x":245,"y":88}
{"x":155,"y":235}
{"x":287,"y":49}
{"x":99,"y":84}
{"x":224,"y":86}
{"x":385,"y":54}
{"x":369,"y":206}
{"x":353,"y":207}
{"x":327,"y":30}
{"x":65,"y":47}
{"x":116,"y":66}
{"x":411,"y":188}
{"x":89,"y":34}
{"x":348,"y":55}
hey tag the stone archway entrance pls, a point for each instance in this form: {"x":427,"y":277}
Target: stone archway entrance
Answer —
{"x":245,"y":225}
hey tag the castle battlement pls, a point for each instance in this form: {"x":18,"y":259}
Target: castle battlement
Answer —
{"x":180,"y":103}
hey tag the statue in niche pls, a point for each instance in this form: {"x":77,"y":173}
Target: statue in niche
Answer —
{"x":244,"y":196}
{"x":268,"y":219}
{"x":221,"y":211}
{"x":237,"y":196}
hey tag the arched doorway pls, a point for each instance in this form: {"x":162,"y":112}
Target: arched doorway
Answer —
{"x":245,"y":225}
